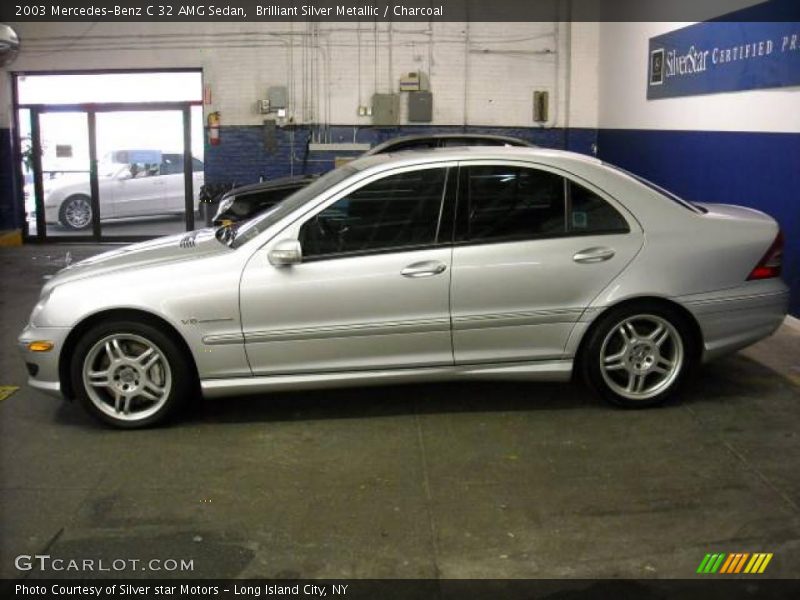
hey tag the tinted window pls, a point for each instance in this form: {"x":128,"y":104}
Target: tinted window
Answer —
{"x":171,"y":164}
{"x":410,"y":145}
{"x":589,"y":213}
{"x":511,"y":203}
{"x":393,"y":212}
{"x":249,"y":204}
{"x":454,"y":142}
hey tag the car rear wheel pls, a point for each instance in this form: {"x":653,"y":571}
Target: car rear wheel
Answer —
{"x":639,"y":355}
{"x":130,"y":375}
{"x":76,"y":212}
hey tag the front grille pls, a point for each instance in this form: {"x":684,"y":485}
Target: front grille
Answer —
{"x":33,"y":369}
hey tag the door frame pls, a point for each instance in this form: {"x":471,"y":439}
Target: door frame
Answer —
{"x":91,"y":110}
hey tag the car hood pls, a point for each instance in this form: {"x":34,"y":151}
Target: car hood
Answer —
{"x":170,"y":249}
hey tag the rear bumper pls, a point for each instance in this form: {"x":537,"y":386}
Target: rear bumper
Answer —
{"x":43,"y":366}
{"x":735,"y":318}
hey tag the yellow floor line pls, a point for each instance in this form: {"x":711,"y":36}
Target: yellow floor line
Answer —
{"x":7,"y":390}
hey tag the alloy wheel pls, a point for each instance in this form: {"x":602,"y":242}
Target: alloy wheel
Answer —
{"x":78,"y":212}
{"x":127,"y":376}
{"x":641,"y":356}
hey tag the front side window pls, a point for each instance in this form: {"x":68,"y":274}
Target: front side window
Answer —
{"x":397,"y":211}
{"x":507,"y":202}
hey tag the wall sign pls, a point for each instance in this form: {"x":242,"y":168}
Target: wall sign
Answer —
{"x":713,"y":57}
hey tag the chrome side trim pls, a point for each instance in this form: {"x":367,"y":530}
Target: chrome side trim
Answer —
{"x":339,"y":331}
{"x":770,"y":297}
{"x":556,"y":370}
{"x":516,"y":319}
{"x":223,"y":338}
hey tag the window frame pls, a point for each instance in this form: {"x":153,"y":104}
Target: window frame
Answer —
{"x":459,"y":227}
{"x":443,"y":227}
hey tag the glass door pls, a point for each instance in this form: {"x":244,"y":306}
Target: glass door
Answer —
{"x":59,"y":147}
{"x":141,"y":179}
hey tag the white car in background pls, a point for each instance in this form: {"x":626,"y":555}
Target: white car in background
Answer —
{"x":132,"y":183}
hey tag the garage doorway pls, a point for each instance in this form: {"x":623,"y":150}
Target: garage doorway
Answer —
{"x":112,"y":156}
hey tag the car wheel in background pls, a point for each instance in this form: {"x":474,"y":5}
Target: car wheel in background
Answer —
{"x":76,"y":212}
{"x":638,"y":355}
{"x":130,"y":374}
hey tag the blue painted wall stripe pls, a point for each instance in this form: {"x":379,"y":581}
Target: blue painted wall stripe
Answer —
{"x":242,"y":157}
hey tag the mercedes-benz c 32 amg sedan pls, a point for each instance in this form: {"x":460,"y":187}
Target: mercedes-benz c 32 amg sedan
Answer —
{"x":470,"y":263}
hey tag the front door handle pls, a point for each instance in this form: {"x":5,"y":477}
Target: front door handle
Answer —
{"x":593,"y":255}
{"x":426,"y":268}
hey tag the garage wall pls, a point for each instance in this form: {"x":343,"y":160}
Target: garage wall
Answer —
{"x":332,"y":68}
{"x":740,"y":148}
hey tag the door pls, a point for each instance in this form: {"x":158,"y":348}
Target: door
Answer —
{"x":372,"y":291}
{"x":63,"y":206}
{"x":533,"y":248}
{"x":141,"y":182}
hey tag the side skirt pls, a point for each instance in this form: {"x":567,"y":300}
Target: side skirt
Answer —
{"x":555,"y":370}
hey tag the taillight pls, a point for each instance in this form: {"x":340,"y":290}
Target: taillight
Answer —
{"x":770,"y":265}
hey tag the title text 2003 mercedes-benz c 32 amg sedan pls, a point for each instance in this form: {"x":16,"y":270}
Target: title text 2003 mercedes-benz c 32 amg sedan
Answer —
{"x":471,"y":263}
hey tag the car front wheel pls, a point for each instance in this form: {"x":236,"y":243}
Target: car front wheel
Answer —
{"x":76,"y":212}
{"x":130,"y":374}
{"x":638,"y":356}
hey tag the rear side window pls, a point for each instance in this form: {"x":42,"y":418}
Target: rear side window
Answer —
{"x":507,"y":203}
{"x":171,"y":164}
{"x":590,"y":214}
{"x":394,"y":212}
{"x":499,"y":203}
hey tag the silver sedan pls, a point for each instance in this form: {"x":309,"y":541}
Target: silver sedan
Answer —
{"x":470,"y":263}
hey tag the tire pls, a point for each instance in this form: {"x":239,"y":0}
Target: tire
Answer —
{"x":141,"y":376}
{"x":639,"y":355}
{"x":76,"y":212}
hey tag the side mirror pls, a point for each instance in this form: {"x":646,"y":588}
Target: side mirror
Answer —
{"x":286,"y":253}
{"x":124,"y":174}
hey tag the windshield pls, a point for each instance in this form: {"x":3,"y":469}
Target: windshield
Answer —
{"x":657,"y":188}
{"x":109,"y":169}
{"x":262,"y":222}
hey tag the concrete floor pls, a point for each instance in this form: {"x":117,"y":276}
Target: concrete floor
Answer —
{"x":453,"y":481}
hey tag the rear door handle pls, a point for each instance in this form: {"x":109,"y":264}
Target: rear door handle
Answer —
{"x":593,"y":255}
{"x":426,"y":268}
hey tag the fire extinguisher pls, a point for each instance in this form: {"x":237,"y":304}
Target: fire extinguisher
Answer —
{"x":213,"y":128}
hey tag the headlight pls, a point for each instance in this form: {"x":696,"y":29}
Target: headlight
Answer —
{"x":225,"y":204}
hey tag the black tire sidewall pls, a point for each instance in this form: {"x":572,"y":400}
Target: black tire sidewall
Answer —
{"x":182,"y":375}
{"x":590,"y":357}
{"x":62,"y":213}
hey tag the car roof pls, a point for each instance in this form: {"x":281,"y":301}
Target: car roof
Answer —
{"x":505,"y":139}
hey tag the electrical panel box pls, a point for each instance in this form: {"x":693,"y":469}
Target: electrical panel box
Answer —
{"x":416,"y":81}
{"x":420,"y":107}
{"x":278,"y":97}
{"x":385,"y":109}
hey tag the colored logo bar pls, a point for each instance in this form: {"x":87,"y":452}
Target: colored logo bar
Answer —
{"x":735,"y":563}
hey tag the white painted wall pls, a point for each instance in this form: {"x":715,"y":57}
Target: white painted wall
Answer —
{"x":480,"y":73}
{"x":623,"y":92}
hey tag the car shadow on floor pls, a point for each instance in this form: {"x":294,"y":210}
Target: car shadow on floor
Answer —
{"x":726,"y":382}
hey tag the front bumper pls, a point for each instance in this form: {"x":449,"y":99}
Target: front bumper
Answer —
{"x":43,"y":366}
